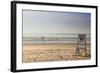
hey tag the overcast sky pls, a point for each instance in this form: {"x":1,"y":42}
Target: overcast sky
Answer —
{"x":55,"y":22}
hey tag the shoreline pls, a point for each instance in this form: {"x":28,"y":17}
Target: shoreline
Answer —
{"x":51,"y":43}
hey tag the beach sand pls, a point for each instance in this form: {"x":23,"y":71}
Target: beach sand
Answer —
{"x":44,"y":52}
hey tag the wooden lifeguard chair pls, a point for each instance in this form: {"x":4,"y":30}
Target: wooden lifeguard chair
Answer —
{"x":81,"y":45}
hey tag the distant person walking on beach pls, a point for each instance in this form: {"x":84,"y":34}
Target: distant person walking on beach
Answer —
{"x":42,"y":38}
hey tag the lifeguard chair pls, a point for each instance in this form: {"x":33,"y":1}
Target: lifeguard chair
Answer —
{"x":81,"y":45}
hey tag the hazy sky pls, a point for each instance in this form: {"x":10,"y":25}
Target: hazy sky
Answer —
{"x":55,"y":22}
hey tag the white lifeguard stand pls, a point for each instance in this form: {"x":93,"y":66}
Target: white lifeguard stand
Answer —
{"x":81,"y":45}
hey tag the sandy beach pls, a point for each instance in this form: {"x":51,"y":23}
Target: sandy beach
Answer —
{"x":43,"y":52}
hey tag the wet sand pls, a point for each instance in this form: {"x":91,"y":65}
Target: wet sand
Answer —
{"x":43,"y":52}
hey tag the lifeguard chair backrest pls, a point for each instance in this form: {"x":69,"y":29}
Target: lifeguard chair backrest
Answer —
{"x":81,"y":37}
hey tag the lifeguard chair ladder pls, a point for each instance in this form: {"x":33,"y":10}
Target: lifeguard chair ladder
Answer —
{"x":81,"y":45}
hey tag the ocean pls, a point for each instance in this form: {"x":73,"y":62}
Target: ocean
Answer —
{"x":54,"y":38}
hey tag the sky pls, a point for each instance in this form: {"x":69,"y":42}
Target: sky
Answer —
{"x":55,"y":22}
